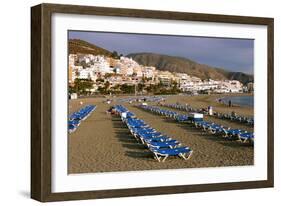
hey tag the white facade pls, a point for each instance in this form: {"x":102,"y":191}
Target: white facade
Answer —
{"x":225,"y":86}
{"x":84,"y":74}
{"x":102,"y":67}
{"x":71,"y":59}
{"x":232,"y":86}
{"x":87,"y":73}
{"x":149,"y":72}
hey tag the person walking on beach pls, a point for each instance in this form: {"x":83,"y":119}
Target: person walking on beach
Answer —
{"x":229,"y":103}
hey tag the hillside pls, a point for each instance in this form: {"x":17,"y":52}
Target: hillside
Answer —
{"x":190,"y":67}
{"x":242,"y":77}
{"x":76,"y":46}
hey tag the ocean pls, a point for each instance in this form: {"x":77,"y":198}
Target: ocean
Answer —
{"x":240,"y":100}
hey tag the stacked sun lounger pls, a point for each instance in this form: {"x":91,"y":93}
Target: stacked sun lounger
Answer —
{"x":159,"y":144}
{"x":76,"y":118}
{"x":210,"y":127}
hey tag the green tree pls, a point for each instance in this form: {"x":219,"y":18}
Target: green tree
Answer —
{"x":140,"y":87}
{"x":100,"y":80}
{"x":127,"y":89}
{"x":149,"y":89}
{"x":106,"y":85}
{"x":107,"y":75}
{"x":82,"y":85}
{"x":101,"y":90}
{"x":174,"y":87}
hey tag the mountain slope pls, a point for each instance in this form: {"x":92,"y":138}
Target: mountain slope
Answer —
{"x":190,"y":67}
{"x":242,"y":77}
{"x":77,"y":46}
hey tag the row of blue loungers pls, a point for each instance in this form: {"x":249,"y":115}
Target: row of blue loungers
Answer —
{"x":241,"y":135}
{"x":235,"y":117}
{"x":159,"y":144}
{"x":231,"y":117}
{"x":142,"y":98}
{"x":216,"y":129}
{"x":76,"y":118}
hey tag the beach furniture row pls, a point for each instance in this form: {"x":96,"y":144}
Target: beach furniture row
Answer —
{"x":142,"y":98}
{"x":186,"y":108}
{"x":229,"y":116}
{"x":227,"y":132}
{"x":197,"y":120}
{"x":77,"y":117}
{"x":191,"y":117}
{"x":159,"y":144}
{"x":235,"y":117}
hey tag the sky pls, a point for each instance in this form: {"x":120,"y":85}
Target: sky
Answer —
{"x":231,"y":54}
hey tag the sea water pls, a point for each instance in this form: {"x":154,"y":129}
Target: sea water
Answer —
{"x":240,"y":100}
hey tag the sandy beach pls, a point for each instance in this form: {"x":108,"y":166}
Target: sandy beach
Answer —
{"x":102,"y":143}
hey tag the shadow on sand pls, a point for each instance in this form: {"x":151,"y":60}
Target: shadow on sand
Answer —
{"x":135,"y":149}
{"x":141,"y":155}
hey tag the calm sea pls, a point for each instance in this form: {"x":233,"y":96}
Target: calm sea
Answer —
{"x":240,"y":100}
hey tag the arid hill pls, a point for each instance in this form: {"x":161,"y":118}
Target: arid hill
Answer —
{"x":190,"y":67}
{"x":76,"y":46}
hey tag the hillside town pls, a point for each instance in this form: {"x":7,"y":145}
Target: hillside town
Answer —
{"x":102,"y":74}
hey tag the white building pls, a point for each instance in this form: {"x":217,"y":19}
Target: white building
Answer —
{"x":102,"y":67}
{"x":87,"y":73}
{"x":71,"y":59}
{"x":87,"y":58}
{"x":232,"y":86}
{"x":84,"y":74}
{"x":148,"y":72}
{"x":165,"y":78}
{"x":226,"y":86}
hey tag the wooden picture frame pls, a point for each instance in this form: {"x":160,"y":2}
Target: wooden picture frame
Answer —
{"x":41,"y":171}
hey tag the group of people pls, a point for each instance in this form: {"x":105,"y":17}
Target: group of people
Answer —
{"x":229,"y":102}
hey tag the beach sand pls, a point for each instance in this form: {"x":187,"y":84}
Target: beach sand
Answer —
{"x":102,"y":143}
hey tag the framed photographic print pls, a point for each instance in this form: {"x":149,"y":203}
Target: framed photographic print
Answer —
{"x":132,"y":102}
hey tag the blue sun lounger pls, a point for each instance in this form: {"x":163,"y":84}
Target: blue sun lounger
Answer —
{"x":182,"y":118}
{"x":149,"y":136}
{"x":74,"y":122}
{"x":202,"y":124}
{"x":162,"y":154}
{"x":136,"y":130}
{"x":232,"y":133}
{"x":76,"y":118}
{"x":161,"y":139}
{"x":71,"y":128}
{"x":147,"y":140}
{"x":215,"y":128}
{"x":246,"y":137}
{"x":166,"y":144}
